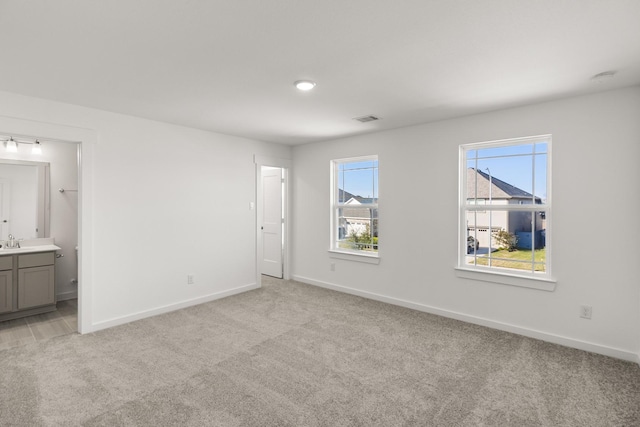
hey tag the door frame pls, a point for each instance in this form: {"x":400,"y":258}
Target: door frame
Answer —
{"x":86,"y":140}
{"x":285,"y":164}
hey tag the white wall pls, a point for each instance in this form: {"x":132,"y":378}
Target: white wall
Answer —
{"x":158,"y":202}
{"x":63,"y":171}
{"x":63,"y":158}
{"x":596,"y":147}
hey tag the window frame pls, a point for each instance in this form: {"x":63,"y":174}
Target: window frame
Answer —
{"x":508,"y":276}
{"x":335,"y":205}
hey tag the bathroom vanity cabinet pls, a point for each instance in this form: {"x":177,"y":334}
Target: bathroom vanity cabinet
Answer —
{"x":27,"y":283}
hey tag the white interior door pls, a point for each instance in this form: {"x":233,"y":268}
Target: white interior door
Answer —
{"x":272,"y":223}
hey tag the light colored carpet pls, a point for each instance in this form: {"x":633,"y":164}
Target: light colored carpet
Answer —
{"x":290,"y":354}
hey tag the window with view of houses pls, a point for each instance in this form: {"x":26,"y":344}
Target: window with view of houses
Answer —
{"x":354,"y":224}
{"x":505,"y":206}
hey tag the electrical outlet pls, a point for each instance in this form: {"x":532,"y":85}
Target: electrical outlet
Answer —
{"x":586,"y":311}
{"x":190,"y":279}
{"x":332,"y":266}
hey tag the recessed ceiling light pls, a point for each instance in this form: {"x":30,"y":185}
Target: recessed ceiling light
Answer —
{"x":603,"y":77}
{"x":305,"y":85}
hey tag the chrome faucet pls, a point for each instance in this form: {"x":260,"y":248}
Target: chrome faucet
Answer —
{"x":12,"y":243}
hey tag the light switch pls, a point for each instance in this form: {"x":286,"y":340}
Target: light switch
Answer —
{"x":251,"y":206}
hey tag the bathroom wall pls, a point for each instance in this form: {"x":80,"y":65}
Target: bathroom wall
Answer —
{"x":63,"y":164}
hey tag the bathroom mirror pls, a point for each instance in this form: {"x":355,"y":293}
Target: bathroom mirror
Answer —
{"x":24,"y":199}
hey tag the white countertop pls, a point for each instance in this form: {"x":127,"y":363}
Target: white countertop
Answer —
{"x":29,"y":249}
{"x":28,"y":246}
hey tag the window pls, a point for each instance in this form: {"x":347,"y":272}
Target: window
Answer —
{"x":505,"y":205}
{"x":354,"y":206}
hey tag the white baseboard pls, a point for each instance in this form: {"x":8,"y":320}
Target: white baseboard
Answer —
{"x":168,"y":308}
{"x":67,"y":295}
{"x":531,"y":333}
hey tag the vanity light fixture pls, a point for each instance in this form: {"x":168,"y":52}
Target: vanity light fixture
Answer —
{"x":305,"y":85}
{"x":37,"y":148}
{"x":12,"y":146}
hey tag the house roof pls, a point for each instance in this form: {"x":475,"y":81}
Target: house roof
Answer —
{"x":344,"y":196}
{"x":365,"y":200}
{"x":499,"y":188}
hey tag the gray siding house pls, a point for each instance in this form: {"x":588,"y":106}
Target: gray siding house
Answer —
{"x":483,"y":190}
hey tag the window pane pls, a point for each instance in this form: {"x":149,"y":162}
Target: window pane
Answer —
{"x":359,"y":181}
{"x":513,"y":236}
{"x":511,"y":179}
{"x":540,"y":189}
{"x":357,"y":229}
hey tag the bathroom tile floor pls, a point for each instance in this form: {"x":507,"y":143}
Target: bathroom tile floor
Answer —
{"x":18,"y":332}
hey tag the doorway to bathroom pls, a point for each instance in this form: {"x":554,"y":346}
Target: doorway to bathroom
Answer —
{"x":40,"y":199}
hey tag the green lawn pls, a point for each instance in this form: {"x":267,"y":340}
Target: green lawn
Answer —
{"x":519,"y":259}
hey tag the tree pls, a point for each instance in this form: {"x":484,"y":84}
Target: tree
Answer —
{"x":506,"y":240}
{"x":363,"y":240}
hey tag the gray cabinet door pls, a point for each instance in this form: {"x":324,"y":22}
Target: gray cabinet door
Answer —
{"x":36,"y":286}
{"x":6,"y":291}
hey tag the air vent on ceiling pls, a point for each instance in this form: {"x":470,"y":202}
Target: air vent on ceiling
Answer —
{"x":365,"y":119}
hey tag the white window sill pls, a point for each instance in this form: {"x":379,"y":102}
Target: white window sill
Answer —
{"x":531,"y":282}
{"x":353,"y":256}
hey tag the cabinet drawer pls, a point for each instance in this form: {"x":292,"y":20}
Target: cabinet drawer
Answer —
{"x":6,"y":262}
{"x":36,"y":260}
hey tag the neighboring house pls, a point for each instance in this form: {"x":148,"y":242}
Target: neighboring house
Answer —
{"x":355,"y":218}
{"x":500,"y":193}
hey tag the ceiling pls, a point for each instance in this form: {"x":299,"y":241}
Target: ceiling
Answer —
{"x":229,"y":65}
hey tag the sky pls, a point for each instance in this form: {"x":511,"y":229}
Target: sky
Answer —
{"x":359,"y":178}
{"x":521,"y":168}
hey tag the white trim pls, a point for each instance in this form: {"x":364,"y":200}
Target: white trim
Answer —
{"x":334,"y":251}
{"x":353,"y":256}
{"x":86,"y":140}
{"x":543,"y":283}
{"x":356,"y":159}
{"x":276,"y":162}
{"x":527,"y":332}
{"x":508,"y":208}
{"x":506,"y":142}
{"x":169,"y":308}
